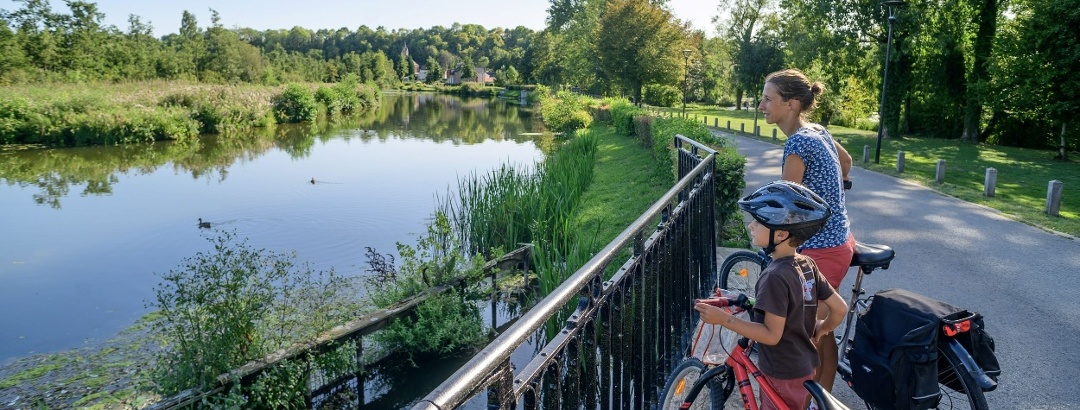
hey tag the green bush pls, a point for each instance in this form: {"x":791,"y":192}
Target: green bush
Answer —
{"x":224,"y":308}
{"x":565,"y":112}
{"x":329,"y":99}
{"x":295,"y":104}
{"x":623,"y":113}
{"x":14,"y":113}
{"x":444,"y":324}
{"x":661,"y":95}
{"x":348,"y":93}
{"x":730,"y":182}
{"x":643,"y":130}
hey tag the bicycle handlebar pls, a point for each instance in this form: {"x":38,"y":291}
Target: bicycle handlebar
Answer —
{"x":741,"y":302}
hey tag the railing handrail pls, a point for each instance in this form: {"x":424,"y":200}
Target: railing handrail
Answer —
{"x":459,"y":385}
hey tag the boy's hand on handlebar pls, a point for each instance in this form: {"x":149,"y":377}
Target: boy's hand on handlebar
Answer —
{"x":711,"y":314}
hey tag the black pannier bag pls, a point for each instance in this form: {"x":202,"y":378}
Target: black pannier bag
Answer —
{"x":980,"y":346}
{"x":894,"y":360}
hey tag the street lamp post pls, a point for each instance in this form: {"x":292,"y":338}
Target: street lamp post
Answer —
{"x":686,"y":76}
{"x":892,"y":5}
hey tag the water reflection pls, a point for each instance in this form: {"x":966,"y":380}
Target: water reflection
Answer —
{"x":88,"y":230}
{"x":439,"y":118}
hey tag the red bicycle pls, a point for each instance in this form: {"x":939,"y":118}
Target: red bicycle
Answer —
{"x":688,"y":383}
{"x":699,"y":385}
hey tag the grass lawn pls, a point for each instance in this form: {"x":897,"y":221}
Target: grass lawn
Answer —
{"x":625,"y":184}
{"x":1023,"y":175}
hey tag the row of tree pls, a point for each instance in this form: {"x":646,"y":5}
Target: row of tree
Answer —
{"x":1000,"y":71}
{"x":997,"y":71}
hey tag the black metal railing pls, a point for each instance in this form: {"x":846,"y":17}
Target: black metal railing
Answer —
{"x":627,"y":332}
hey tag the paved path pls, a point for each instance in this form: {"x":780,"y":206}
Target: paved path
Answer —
{"x":1026,"y":281}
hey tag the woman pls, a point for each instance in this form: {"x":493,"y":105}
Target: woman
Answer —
{"x":813,"y":158}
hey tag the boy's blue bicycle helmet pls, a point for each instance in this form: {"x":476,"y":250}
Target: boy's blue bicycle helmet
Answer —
{"x":787,"y":206}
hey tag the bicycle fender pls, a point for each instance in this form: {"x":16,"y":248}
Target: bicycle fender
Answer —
{"x":976,"y":372}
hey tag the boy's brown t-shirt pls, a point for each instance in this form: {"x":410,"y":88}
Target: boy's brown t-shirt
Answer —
{"x":790,"y":287}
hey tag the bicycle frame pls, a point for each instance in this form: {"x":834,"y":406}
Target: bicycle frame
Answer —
{"x":849,"y":320}
{"x":739,"y":361}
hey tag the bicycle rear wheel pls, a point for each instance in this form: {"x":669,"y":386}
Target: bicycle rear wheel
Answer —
{"x":958,"y":388}
{"x":712,"y":395}
{"x":740,"y":271}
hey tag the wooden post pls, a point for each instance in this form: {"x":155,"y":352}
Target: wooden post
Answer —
{"x":742,"y":128}
{"x":940,"y":176}
{"x":865,"y":154}
{"x":900,"y":161}
{"x":716,"y":122}
{"x":990,"y":182}
{"x":757,"y":131}
{"x":774,"y":134}
{"x":1053,"y":198}
{"x":729,"y":125}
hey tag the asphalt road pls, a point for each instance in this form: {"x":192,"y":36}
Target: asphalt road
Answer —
{"x":1024,"y":280}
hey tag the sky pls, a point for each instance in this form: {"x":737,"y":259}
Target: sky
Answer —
{"x":261,"y":15}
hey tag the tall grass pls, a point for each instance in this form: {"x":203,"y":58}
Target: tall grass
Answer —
{"x":514,"y":205}
{"x":72,"y":115}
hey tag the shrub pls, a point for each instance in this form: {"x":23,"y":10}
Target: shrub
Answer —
{"x":295,"y":104}
{"x":330,"y":99}
{"x":224,"y":308}
{"x":565,"y":112}
{"x":14,"y":113}
{"x":730,"y":170}
{"x":623,"y":114}
{"x":444,"y":323}
{"x":661,"y":95}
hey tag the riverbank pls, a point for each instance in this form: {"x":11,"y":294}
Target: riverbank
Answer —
{"x":67,"y":115}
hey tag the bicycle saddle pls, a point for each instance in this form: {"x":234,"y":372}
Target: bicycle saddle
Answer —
{"x":871,"y":256}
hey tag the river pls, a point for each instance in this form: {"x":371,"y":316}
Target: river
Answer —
{"x":87,"y":232}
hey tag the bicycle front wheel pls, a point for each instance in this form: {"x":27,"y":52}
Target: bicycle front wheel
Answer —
{"x":712,"y":395}
{"x":740,"y":272}
{"x":958,"y":388}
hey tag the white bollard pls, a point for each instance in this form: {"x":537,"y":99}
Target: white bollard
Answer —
{"x":940,"y":178}
{"x":865,"y":154}
{"x":900,"y":161}
{"x":990,"y":182}
{"x":1053,"y":198}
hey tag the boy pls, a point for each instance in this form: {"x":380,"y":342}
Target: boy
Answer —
{"x":785,"y":322}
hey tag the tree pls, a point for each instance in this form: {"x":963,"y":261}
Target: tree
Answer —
{"x":1049,"y":57}
{"x":638,"y":43}
{"x":744,"y":19}
{"x":434,"y":71}
{"x":12,"y":58}
{"x":511,"y":77}
{"x":468,"y":70}
{"x":757,"y":59}
{"x":979,"y":76}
